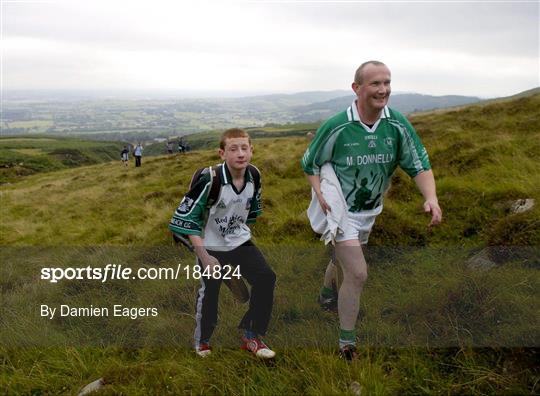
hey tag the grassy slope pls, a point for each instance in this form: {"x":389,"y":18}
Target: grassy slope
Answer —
{"x":483,"y":156}
{"x":26,"y":155}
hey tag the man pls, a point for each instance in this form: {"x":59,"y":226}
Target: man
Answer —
{"x":364,"y":144}
{"x":221,"y":237}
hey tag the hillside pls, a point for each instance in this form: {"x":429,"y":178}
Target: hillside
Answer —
{"x":429,"y":322}
{"x":26,"y":155}
{"x":405,"y":103}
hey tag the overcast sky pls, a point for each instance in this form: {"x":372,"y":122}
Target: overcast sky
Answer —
{"x":484,"y":49}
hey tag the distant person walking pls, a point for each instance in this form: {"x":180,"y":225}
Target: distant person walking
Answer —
{"x":358,"y":150}
{"x":170,"y":147}
{"x":124,"y":155}
{"x":137,"y":153}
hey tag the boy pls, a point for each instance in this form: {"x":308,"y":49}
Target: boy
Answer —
{"x":221,"y":237}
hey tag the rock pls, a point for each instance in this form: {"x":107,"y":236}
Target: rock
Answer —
{"x":481,"y":260}
{"x":92,"y":387}
{"x":356,"y":388}
{"x":522,"y":205}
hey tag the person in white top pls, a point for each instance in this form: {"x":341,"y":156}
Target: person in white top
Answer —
{"x":137,"y":153}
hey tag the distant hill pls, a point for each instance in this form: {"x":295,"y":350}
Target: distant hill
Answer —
{"x":524,"y":94}
{"x":405,"y":103}
{"x":25,"y":155}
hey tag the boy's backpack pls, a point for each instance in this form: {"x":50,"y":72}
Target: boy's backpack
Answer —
{"x":215,"y":188}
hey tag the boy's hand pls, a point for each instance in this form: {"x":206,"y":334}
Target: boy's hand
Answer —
{"x":210,"y":261}
{"x":204,"y":257}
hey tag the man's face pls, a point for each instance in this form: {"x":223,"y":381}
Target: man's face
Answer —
{"x":237,"y":153}
{"x":375,"y":89}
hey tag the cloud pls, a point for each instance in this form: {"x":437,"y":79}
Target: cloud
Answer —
{"x":281,"y":46}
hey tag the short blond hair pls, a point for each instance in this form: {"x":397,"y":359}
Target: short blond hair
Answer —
{"x":358,"y":75}
{"x":232,"y":133}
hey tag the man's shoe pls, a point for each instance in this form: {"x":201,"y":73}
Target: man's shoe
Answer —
{"x":203,"y":350}
{"x":328,"y":303}
{"x":348,"y":352}
{"x":257,"y":347}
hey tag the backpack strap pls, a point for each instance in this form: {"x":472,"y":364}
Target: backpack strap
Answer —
{"x":215,"y":188}
{"x":215,"y":180}
{"x":256,"y":177}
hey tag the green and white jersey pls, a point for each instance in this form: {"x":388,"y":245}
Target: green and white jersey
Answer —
{"x":223,"y":225}
{"x":365,"y":158}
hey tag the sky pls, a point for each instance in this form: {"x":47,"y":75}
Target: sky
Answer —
{"x":480,"y":48}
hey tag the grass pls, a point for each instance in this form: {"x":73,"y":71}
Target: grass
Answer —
{"x":429,"y":323}
{"x":23,"y":156}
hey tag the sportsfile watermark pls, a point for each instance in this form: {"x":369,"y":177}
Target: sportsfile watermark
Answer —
{"x":122,"y":272}
{"x":146,"y":296}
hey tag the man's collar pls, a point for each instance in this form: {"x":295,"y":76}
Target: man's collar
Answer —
{"x":352,"y":112}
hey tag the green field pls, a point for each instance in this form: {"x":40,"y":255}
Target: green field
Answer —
{"x":34,"y":125}
{"x":429,"y":323}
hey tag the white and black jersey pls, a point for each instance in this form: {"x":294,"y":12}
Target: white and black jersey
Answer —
{"x":223,"y":223}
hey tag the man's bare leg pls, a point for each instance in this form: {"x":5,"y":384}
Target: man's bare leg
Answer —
{"x":353,"y":264}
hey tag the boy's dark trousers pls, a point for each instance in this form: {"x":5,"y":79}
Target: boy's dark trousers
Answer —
{"x":259,"y":275}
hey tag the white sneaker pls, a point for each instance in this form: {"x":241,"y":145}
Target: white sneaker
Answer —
{"x":203,"y":350}
{"x":257,"y":347}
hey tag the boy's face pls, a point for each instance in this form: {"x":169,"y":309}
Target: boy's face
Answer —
{"x":237,"y":153}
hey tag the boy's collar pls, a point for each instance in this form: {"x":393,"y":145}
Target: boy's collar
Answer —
{"x":227,"y":177}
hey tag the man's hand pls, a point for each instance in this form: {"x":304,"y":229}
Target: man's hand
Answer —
{"x":315,"y":182}
{"x":426,"y":184}
{"x":432,"y":206}
{"x":324,"y":205}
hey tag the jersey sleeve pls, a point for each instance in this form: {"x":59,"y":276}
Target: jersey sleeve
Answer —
{"x":255,"y":208}
{"x":413,"y":156}
{"x":319,"y":151}
{"x":190,"y":216}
